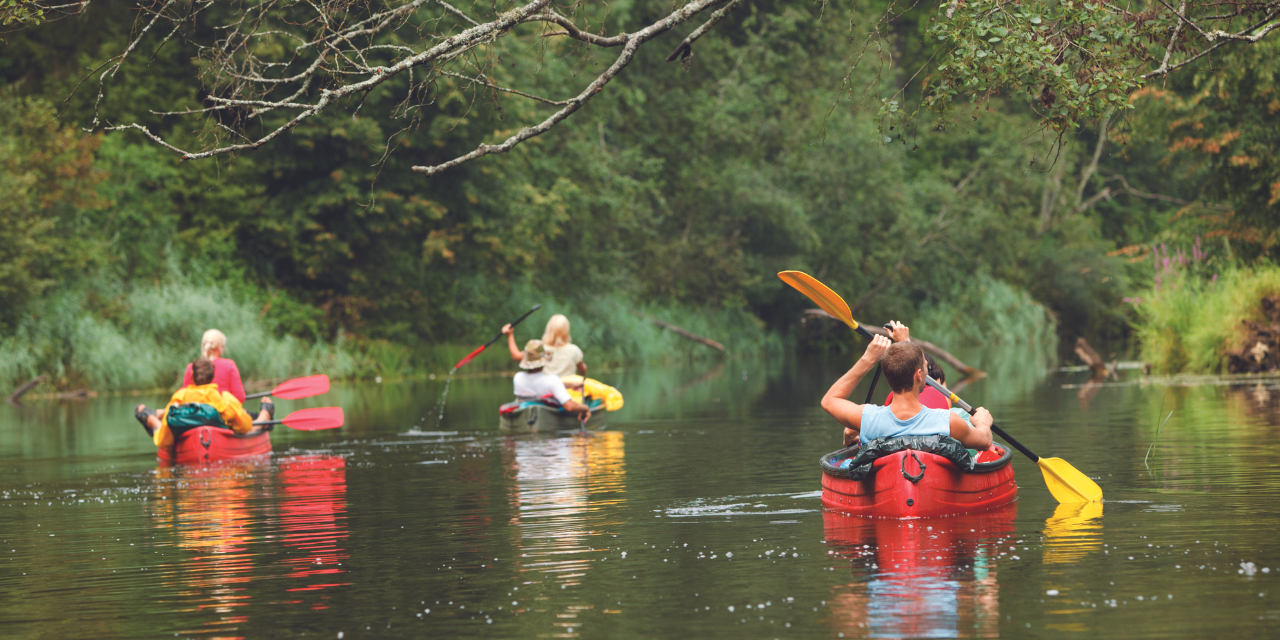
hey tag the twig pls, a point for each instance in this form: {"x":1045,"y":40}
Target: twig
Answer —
{"x":1153,"y":441}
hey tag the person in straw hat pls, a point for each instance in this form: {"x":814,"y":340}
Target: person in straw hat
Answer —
{"x":564,"y":357}
{"x":534,"y":384}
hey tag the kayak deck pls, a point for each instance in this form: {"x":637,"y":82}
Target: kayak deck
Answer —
{"x":203,"y":445}
{"x":944,"y":489}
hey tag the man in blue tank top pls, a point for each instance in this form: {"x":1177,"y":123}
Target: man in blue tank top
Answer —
{"x":905,"y":369}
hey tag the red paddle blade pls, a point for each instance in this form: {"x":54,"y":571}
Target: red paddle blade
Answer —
{"x":469,"y":357}
{"x":299,"y":388}
{"x":315,"y":419}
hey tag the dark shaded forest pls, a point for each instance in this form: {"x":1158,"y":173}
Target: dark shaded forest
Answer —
{"x":792,"y":138}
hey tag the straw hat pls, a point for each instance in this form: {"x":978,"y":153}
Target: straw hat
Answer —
{"x":535,"y":355}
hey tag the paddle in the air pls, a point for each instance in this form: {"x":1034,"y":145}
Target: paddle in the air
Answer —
{"x":311,"y":419}
{"x":297,"y":389}
{"x":1065,"y":482}
{"x":473,"y":354}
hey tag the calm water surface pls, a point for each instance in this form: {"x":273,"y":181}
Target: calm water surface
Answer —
{"x":693,"y":512}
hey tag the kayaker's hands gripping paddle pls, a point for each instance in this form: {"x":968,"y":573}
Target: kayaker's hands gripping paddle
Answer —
{"x":1065,"y":482}
{"x":297,"y":389}
{"x":484,"y":346}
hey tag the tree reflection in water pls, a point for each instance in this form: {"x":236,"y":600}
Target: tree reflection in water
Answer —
{"x":931,"y":578}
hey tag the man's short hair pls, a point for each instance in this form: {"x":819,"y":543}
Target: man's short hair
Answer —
{"x":900,"y":363}
{"x":202,"y":371}
{"x":935,"y":369}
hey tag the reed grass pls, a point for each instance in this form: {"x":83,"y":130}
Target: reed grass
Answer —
{"x":987,"y":311}
{"x":612,"y":331}
{"x":1186,"y":323}
{"x":144,"y":338}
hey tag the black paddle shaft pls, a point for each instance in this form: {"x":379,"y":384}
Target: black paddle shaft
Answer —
{"x":875,"y":378}
{"x":513,"y":325}
{"x":994,"y":429}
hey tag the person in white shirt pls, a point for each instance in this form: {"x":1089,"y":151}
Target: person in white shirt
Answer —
{"x":565,"y":358}
{"x":535,"y":383}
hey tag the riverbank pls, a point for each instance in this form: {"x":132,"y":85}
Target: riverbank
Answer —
{"x":1195,"y":321}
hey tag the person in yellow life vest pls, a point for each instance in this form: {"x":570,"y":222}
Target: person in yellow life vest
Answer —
{"x":200,"y":403}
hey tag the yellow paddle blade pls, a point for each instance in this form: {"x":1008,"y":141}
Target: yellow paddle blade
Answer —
{"x":1066,"y":483}
{"x":825,"y":298}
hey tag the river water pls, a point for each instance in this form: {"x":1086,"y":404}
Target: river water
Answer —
{"x":693,"y":512}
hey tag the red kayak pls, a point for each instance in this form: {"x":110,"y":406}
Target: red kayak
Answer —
{"x":202,"y":445}
{"x":919,"y":484}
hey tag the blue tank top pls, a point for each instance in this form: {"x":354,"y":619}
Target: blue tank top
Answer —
{"x":879,"y":422}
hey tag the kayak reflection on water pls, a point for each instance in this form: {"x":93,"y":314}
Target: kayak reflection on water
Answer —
{"x":565,"y":489}
{"x":237,"y":526}
{"x":932,"y":578}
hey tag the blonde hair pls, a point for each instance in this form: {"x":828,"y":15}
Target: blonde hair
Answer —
{"x":213,"y":339}
{"x":557,"y":333}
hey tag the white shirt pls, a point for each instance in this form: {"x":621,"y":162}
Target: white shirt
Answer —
{"x":532,"y":386}
{"x":564,"y":360}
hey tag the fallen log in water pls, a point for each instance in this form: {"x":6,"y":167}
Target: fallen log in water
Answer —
{"x":1093,"y":360}
{"x":938,"y":352}
{"x":17,"y":393}
{"x":684,"y":333}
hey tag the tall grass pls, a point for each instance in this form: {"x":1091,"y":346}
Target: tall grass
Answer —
{"x":1187,"y":322}
{"x":612,"y":331}
{"x":987,"y":311}
{"x":144,"y":337}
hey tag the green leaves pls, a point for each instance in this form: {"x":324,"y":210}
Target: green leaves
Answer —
{"x":1065,"y":56}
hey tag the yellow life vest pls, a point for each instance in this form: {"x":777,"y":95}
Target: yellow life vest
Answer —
{"x":227,"y":406}
{"x":595,"y":389}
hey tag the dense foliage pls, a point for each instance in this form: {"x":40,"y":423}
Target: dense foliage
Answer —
{"x":679,"y":192}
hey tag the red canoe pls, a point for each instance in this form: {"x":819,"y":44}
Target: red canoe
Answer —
{"x":945,"y":490}
{"x":203,"y":445}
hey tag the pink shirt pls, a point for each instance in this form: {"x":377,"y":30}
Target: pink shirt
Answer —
{"x":225,"y":374}
{"x":929,"y":397}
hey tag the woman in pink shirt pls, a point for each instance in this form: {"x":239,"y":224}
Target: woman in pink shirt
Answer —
{"x":225,"y":373}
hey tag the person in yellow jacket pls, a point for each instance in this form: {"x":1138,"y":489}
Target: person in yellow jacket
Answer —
{"x":200,"y":404}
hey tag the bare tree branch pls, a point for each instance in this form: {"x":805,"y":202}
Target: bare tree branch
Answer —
{"x":306,"y":58}
{"x":633,"y":42}
{"x":685,"y":48}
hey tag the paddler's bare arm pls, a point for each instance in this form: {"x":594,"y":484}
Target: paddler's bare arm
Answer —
{"x":837,"y":402}
{"x":977,"y":436}
{"x":516,"y":354}
{"x":573,"y":406}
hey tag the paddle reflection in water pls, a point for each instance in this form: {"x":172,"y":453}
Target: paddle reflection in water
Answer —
{"x":1072,"y":532}
{"x":929,"y":578}
{"x":313,"y":518}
